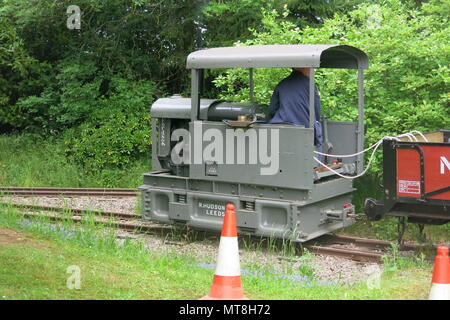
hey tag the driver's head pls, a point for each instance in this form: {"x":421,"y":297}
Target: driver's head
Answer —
{"x":305,"y":71}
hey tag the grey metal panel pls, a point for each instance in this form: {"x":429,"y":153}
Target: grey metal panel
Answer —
{"x":160,"y":200}
{"x":312,"y":114}
{"x":311,"y":219}
{"x":200,"y":185}
{"x":274,"y":216}
{"x":251,"y":85}
{"x":269,"y":192}
{"x":179,"y":211}
{"x":246,"y":219}
{"x":343,"y":137}
{"x":328,"y":189}
{"x":156,"y":165}
{"x":178,"y":108}
{"x":163,"y":137}
{"x":295,"y":158}
{"x":195,"y":93}
{"x":276,"y":56}
{"x":226,"y":187}
{"x":164,"y":180}
{"x":250,"y":191}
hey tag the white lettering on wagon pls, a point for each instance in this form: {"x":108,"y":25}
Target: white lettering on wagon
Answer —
{"x":212,"y":209}
{"x":444,"y":163}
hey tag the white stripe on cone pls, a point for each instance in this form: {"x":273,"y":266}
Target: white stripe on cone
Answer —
{"x":228,"y":259}
{"x":440,"y":291}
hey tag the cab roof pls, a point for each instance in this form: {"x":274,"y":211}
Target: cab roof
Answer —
{"x":279,"y":56}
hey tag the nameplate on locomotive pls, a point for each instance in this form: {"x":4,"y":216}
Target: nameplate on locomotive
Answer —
{"x":209,"y":208}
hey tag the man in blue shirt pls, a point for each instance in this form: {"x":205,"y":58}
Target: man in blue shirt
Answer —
{"x":290,"y":103}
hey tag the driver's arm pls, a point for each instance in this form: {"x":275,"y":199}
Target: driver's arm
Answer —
{"x":274,"y":103}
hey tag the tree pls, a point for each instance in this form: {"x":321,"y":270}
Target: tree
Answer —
{"x":19,"y":74}
{"x":226,"y":22}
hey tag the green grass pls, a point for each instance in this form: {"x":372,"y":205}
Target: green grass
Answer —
{"x":31,"y":161}
{"x":37,"y":269}
{"x":386,"y":229}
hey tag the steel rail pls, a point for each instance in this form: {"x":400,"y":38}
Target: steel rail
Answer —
{"x":126,"y":215}
{"x":116,"y":224}
{"x":375,"y":244}
{"x":21,"y":191}
{"x":353,"y":254}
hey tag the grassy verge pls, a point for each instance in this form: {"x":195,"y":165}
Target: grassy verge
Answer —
{"x":386,"y":229}
{"x":35,"y":257}
{"x":31,"y":161}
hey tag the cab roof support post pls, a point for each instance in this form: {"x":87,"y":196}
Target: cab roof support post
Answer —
{"x":195,"y":94}
{"x":312,"y":114}
{"x":252,"y":85}
{"x":360,"y":130}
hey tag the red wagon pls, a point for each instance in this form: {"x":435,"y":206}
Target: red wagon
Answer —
{"x":416,"y":180}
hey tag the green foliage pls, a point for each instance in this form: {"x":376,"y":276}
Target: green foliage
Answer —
{"x":72,"y":94}
{"x":386,"y":229}
{"x":394,"y":261}
{"x":228,"y":21}
{"x":30,"y":160}
{"x":118,"y":132}
{"x":149,"y":39}
{"x":306,"y":267}
{"x":407,"y":80}
{"x":52,"y":77}
{"x":19,"y":73}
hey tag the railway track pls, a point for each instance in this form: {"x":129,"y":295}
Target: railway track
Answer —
{"x":357,"y":249}
{"x":121,"y":220}
{"x":354,"y":248}
{"x":68,"y":192}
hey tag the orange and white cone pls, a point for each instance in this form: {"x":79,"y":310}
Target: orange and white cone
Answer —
{"x":227,"y":277}
{"x":440,"y":288}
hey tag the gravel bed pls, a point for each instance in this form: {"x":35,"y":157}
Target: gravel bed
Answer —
{"x":111,"y":204}
{"x":326,"y":269}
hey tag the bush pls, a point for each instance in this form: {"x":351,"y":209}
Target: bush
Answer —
{"x":118,"y":132}
{"x":407,"y":80}
{"x":21,"y":75}
{"x":72,"y":93}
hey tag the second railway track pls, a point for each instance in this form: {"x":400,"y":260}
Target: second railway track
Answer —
{"x":68,"y":192}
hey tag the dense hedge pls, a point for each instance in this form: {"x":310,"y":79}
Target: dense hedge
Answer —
{"x":117,"y":132}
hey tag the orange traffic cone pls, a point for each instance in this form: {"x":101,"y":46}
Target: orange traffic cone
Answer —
{"x":440,"y":288}
{"x":227,"y":277}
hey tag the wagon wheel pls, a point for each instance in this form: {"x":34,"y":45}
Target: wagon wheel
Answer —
{"x":401,"y":228}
